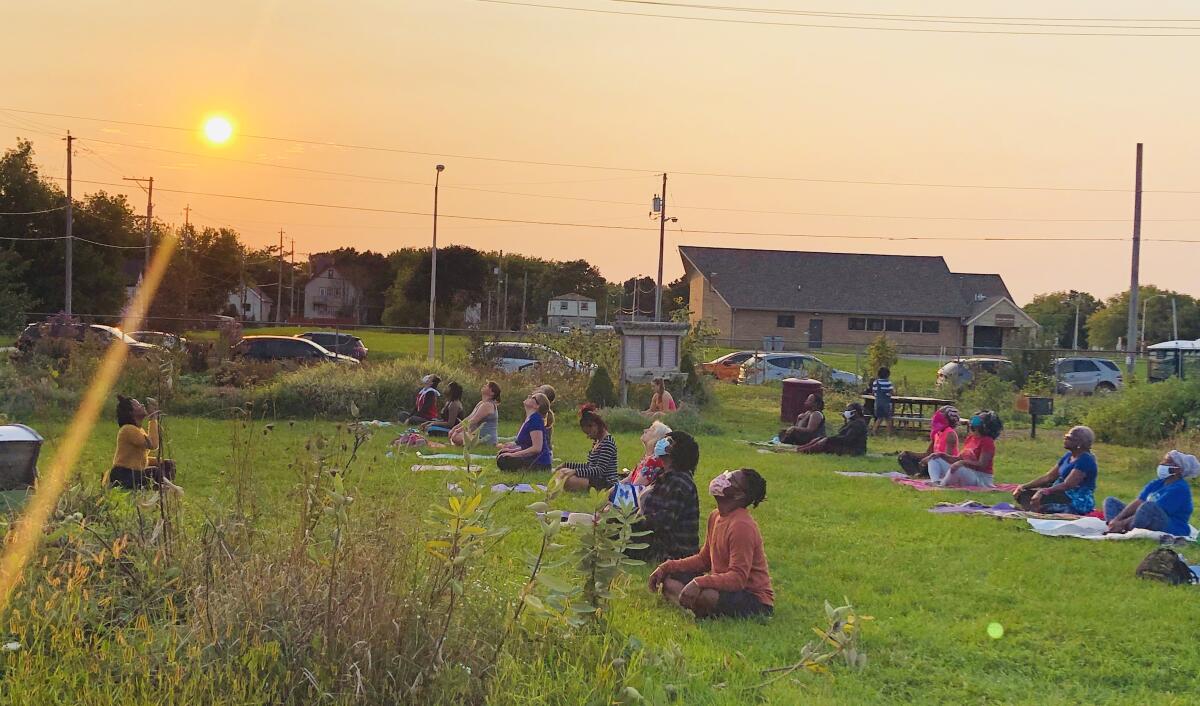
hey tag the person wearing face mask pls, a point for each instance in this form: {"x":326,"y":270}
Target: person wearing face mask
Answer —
{"x":973,"y":466}
{"x":943,"y":444}
{"x":650,"y":465}
{"x":729,"y":576}
{"x":851,"y":439}
{"x":1164,"y":505}
{"x":1070,"y":485}
{"x":670,"y":506}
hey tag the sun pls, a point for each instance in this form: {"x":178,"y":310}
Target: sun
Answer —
{"x":218,"y":129}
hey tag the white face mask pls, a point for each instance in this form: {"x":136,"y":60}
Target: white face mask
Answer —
{"x":848,"y":414}
{"x":1165,"y":472}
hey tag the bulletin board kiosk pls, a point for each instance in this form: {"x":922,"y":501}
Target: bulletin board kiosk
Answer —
{"x":649,"y":349}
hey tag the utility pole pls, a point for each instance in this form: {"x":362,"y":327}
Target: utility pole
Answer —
{"x":149,"y":214}
{"x":662,"y":239}
{"x":292,"y":288}
{"x":242,"y":313}
{"x":1131,"y":330}
{"x":433,"y":261}
{"x":504,"y":323}
{"x":1174,"y":321}
{"x":499,"y":271}
{"x":187,"y":212}
{"x":1075,"y":342}
{"x":70,"y":240}
{"x":279,"y":284}
{"x":524,"y":298}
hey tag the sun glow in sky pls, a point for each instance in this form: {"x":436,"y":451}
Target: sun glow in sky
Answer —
{"x":218,"y":129}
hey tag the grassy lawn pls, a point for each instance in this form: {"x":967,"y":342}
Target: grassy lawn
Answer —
{"x":381,"y":345}
{"x":1079,"y":628}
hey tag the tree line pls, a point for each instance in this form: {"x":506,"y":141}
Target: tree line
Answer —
{"x":505,"y":289}
{"x":1103,"y":323}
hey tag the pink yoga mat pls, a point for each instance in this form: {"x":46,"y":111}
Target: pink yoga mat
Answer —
{"x":922,"y":484}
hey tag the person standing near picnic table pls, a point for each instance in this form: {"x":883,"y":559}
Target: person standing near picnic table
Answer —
{"x":670,"y":506}
{"x":600,"y":469}
{"x":1164,"y":505}
{"x":975,"y":464}
{"x":810,"y":424}
{"x":531,"y":450}
{"x":729,"y":576}
{"x":851,"y":439}
{"x":1070,"y":485}
{"x":883,"y":390}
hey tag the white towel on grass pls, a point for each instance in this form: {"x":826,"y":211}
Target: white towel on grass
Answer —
{"x":1093,"y":528}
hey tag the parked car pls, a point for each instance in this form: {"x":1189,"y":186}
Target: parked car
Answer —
{"x":512,"y":356}
{"x":170,"y":341}
{"x":727,"y":367}
{"x":343,"y":343}
{"x":965,"y":371}
{"x":80,"y":333}
{"x":1089,"y":375}
{"x":777,"y":366}
{"x":285,"y":348}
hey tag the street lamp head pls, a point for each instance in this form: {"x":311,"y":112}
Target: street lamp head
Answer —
{"x":440,"y":167}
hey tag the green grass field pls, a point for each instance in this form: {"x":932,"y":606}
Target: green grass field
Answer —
{"x":1079,"y":628}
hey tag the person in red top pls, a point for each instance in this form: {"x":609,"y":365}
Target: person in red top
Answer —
{"x":974,"y":465}
{"x":729,"y":577}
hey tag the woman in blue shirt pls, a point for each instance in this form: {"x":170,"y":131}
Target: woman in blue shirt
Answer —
{"x":1164,"y":505}
{"x":1070,"y":484}
{"x":532,"y":448}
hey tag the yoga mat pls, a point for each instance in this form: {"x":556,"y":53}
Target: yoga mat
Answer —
{"x":922,"y":484}
{"x":867,"y":474}
{"x":457,"y":456}
{"x":1095,"y":528}
{"x":422,"y":467}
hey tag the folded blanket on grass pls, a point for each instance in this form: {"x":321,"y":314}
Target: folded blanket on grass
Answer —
{"x":458,"y":456}
{"x":1001,"y":510}
{"x":1095,"y":528}
{"x":867,"y":474}
{"x":925,"y":484}
{"x":422,"y":467}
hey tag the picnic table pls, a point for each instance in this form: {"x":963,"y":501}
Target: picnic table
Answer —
{"x":908,"y":412}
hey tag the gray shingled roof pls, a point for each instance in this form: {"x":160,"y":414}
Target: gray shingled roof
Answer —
{"x":990,"y":286}
{"x":847,"y":283}
{"x":572,"y":296}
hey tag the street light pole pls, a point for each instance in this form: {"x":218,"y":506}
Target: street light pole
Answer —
{"x":1075,"y":341}
{"x":433,"y":261}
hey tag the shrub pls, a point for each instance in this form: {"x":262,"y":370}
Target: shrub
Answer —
{"x":882,"y":353}
{"x":626,"y":420}
{"x":1147,"y":414}
{"x":600,"y":389}
{"x":989,"y":392}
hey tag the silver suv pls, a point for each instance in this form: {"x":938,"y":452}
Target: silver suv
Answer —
{"x":1089,"y":375}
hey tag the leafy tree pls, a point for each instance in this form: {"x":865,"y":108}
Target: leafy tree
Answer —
{"x":1055,"y":312}
{"x":882,"y":353}
{"x":1108,"y":325}
{"x":206,"y":267}
{"x":14,"y":298}
{"x":600,"y":389}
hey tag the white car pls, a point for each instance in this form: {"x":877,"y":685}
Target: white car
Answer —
{"x":1089,"y":375}
{"x":513,"y":356}
{"x":777,"y":366}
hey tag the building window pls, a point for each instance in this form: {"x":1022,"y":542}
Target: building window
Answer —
{"x":785,"y":321}
{"x":930,"y":326}
{"x":856,"y":324}
{"x":874,"y":324}
{"x":322,"y":291}
{"x":912,"y":326}
{"x":896,"y":325}
{"x":562,"y":306}
{"x":584,"y":306}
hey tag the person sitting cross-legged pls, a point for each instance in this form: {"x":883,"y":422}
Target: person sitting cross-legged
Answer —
{"x":670,"y":505}
{"x":851,"y":439}
{"x":1070,"y":485}
{"x":600,"y":469}
{"x":1164,"y":505}
{"x":729,"y":577}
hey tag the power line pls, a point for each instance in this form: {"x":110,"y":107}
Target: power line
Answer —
{"x":1127,"y":23}
{"x":32,"y":213}
{"x":814,"y":25}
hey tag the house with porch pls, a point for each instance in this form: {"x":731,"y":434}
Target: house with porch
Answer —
{"x":571,"y":311}
{"x":329,"y":296}
{"x":812,"y":299}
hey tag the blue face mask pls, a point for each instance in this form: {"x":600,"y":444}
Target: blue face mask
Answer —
{"x":976,"y":422}
{"x":661,"y":447}
{"x":1165,"y":472}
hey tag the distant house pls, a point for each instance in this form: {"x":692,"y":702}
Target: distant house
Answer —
{"x":810,"y":299}
{"x":131,"y":274}
{"x":330,"y":296}
{"x":573,"y":310}
{"x":252,"y":304}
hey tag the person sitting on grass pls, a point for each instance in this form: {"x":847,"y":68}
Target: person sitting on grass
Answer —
{"x":943,"y":441}
{"x":426,"y":406}
{"x":131,"y":465}
{"x":973,"y":466}
{"x":484,"y":419}
{"x":810,"y":424}
{"x":661,"y":402}
{"x":531,"y":450}
{"x":1070,"y":485}
{"x":851,"y":439}
{"x":452,"y":412}
{"x":1164,"y":505}
{"x":882,"y":389}
{"x":670,"y":506}
{"x":646,"y":470}
{"x":729,"y":576}
{"x":548,"y":391}
{"x":600,"y":469}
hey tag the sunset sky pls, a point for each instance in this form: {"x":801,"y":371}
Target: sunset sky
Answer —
{"x":459,"y":79}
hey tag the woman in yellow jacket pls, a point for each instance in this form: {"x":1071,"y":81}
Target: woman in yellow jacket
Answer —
{"x":131,"y":463}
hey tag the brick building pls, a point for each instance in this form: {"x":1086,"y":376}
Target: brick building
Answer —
{"x":811,"y":299}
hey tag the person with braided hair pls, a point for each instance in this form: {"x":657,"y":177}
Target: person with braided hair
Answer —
{"x":600,"y":469}
{"x":729,"y":576}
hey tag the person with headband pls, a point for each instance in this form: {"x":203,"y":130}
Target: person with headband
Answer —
{"x":600,"y":469}
{"x":729,"y":576}
{"x":851,"y":439}
{"x":531,"y":450}
{"x":1070,"y":484}
{"x":1164,"y":505}
{"x":943,"y":443}
{"x":973,"y":467}
{"x":670,"y":505}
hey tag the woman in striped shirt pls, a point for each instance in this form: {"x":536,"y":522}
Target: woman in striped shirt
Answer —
{"x":600,"y":469}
